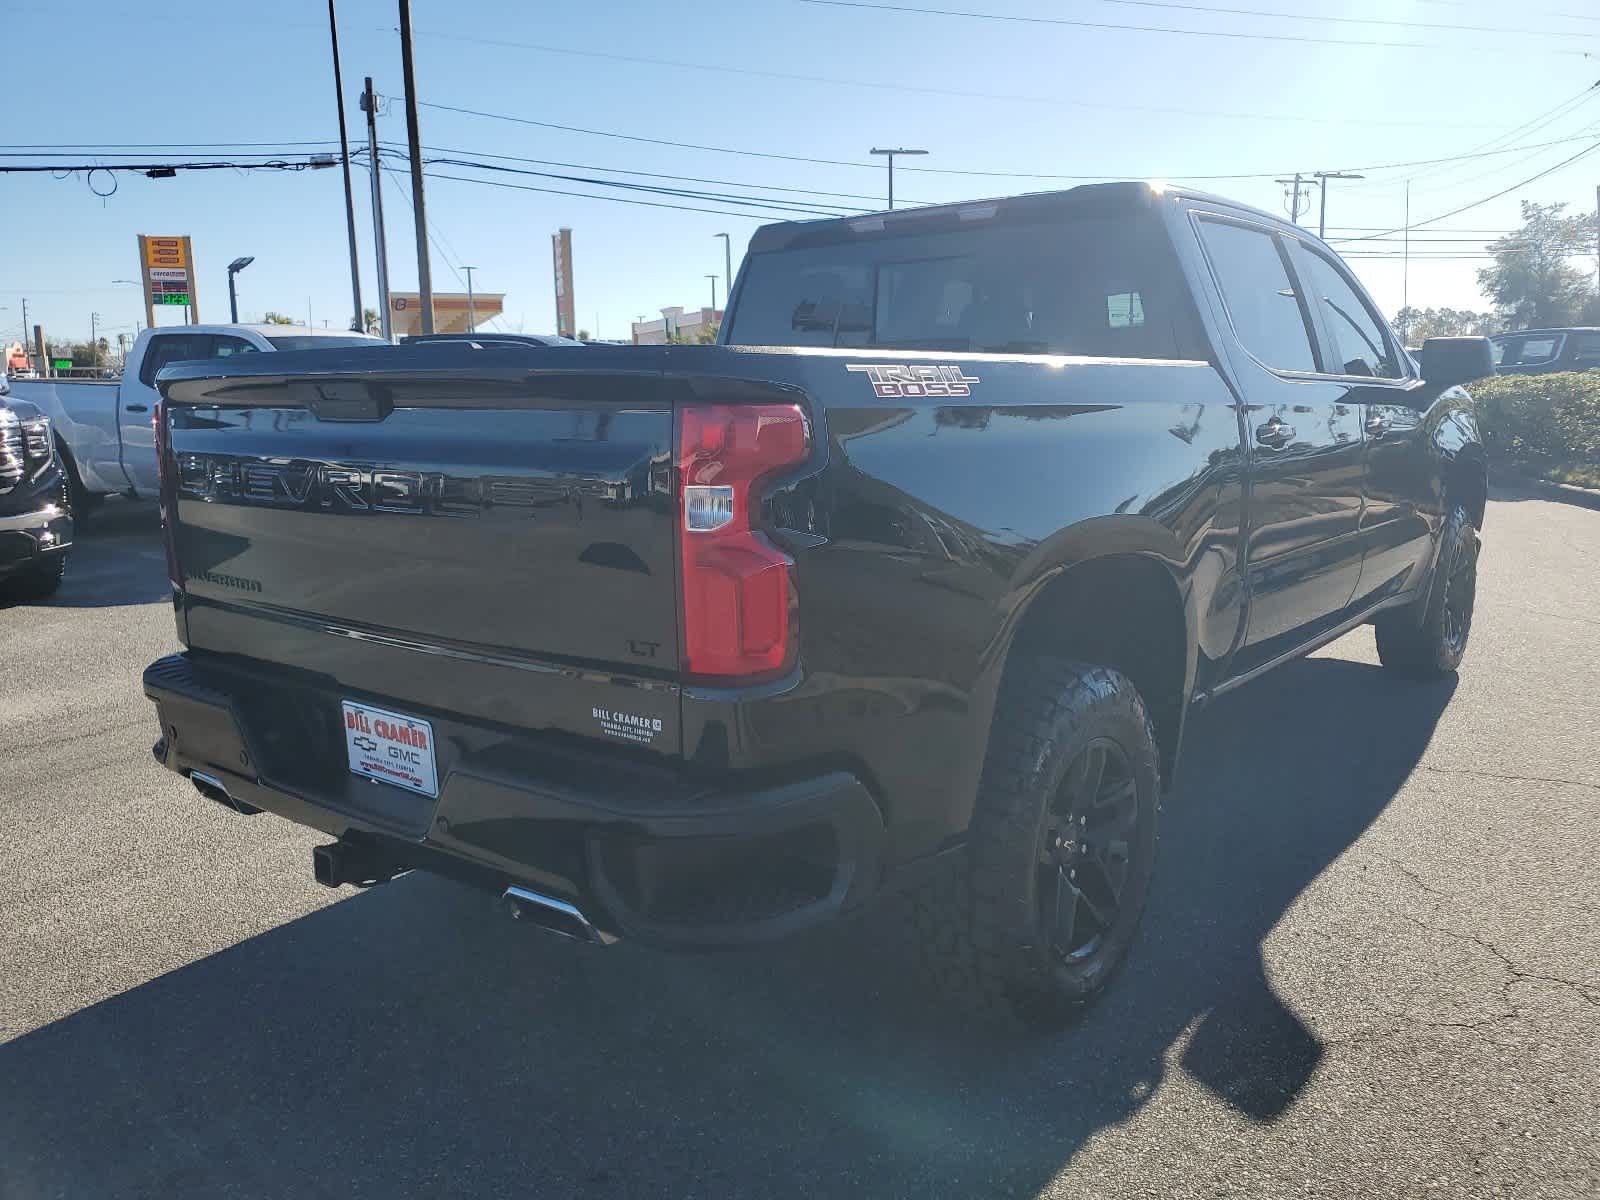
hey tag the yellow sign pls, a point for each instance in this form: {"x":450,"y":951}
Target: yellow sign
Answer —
{"x":164,"y":251}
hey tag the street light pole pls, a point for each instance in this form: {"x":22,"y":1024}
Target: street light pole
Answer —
{"x":234,"y":268}
{"x":472,"y":313}
{"x":889,"y":154}
{"x":713,"y":279}
{"x":1322,"y":178}
{"x":369,"y":105}
{"x":727,"y":260}
{"x":94,"y":338}
{"x":344,"y":162}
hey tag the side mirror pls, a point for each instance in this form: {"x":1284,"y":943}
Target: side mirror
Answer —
{"x":1447,"y":361}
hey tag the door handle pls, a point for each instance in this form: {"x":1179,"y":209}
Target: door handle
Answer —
{"x":1377,"y":426}
{"x":1275,"y":433}
{"x":136,"y":407}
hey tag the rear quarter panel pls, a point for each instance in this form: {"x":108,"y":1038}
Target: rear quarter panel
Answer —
{"x":935,"y":520}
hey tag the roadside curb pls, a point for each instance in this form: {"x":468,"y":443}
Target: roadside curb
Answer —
{"x":1566,"y":493}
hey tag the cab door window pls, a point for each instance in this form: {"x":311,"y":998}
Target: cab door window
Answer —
{"x":1358,"y":343}
{"x":1261,"y":297}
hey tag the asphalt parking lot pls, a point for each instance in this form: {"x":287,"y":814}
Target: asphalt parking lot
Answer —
{"x":1371,"y":966}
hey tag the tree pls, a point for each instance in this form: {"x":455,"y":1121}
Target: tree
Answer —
{"x":276,"y":318}
{"x":583,"y":335}
{"x":370,"y":321}
{"x":1416,"y":325}
{"x":1533,"y":282}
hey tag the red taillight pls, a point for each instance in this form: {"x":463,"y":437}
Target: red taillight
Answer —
{"x":167,"y":491}
{"x":737,"y":617}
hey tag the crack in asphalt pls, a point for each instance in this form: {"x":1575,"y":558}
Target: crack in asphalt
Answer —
{"x":1508,"y":778}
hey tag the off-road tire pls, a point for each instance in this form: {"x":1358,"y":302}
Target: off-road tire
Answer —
{"x":976,"y":926}
{"x":1427,"y":638}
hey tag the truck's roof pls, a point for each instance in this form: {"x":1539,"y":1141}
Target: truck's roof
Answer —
{"x":267,"y":330}
{"x":1089,"y":198}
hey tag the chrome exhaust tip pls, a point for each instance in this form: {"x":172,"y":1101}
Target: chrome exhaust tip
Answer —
{"x":555,"y":916}
{"x":214,"y":790}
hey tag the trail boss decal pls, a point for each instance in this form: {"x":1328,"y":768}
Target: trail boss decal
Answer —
{"x":892,"y":381}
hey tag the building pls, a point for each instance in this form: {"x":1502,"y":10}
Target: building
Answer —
{"x":677,"y":325}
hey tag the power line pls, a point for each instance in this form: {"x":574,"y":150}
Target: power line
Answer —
{"x":834,"y":162}
{"x":1293,"y":16}
{"x":1207,"y":33}
{"x":1590,"y":149}
{"x":914,"y":89}
{"x":765,"y":187}
{"x":524,"y":187}
{"x":814,"y":209}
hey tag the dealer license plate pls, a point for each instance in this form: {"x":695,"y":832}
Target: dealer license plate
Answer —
{"x":390,"y":746}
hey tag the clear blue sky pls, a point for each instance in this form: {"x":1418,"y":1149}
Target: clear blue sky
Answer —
{"x":981,"y":95}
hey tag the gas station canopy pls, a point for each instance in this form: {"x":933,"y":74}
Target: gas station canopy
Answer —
{"x":451,"y":312}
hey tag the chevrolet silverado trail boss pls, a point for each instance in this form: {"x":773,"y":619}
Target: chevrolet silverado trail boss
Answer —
{"x":907,"y":585}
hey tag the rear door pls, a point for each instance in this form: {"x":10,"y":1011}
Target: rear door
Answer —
{"x":1364,"y":361}
{"x":1303,"y":556}
{"x":138,"y":397}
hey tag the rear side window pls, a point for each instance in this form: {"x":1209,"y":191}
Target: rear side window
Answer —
{"x":1099,"y":286}
{"x":1586,"y":350}
{"x":1359,"y":346}
{"x":167,"y":348}
{"x":1260,"y":296}
{"x":226,"y":347}
{"x":1526,"y":351}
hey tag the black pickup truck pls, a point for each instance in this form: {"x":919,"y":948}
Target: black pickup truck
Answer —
{"x":908,"y":586}
{"x":35,"y":515}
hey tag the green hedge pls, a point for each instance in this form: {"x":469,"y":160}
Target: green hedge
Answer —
{"x":1547,"y":423}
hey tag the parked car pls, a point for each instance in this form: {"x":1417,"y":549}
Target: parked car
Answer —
{"x":103,"y":429}
{"x":35,"y":513}
{"x":1544,"y":351}
{"x":911,"y":584}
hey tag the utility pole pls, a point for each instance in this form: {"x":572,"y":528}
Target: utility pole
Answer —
{"x":472,"y":313}
{"x":344,"y":161}
{"x":1405,"y":269}
{"x":1322,"y":178}
{"x":727,"y":258}
{"x":1294,"y":196}
{"x":1596,"y":246}
{"x":94,"y":338}
{"x":889,"y":154}
{"x":414,"y":143}
{"x":369,"y":105}
{"x":25,"y":321}
{"x":713,"y":279}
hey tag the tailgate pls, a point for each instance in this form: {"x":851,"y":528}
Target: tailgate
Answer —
{"x":493,"y":542}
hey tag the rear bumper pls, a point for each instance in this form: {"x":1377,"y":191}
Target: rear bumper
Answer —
{"x":645,"y":850}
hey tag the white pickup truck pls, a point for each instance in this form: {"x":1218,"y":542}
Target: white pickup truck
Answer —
{"x":104,"y":429}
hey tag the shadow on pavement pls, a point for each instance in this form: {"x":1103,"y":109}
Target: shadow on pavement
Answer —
{"x":116,"y":559}
{"x":411,"y":1040}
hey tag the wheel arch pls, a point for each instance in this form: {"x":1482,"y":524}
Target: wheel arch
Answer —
{"x":1124,"y":608}
{"x":1466,"y":481}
